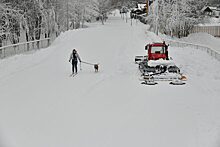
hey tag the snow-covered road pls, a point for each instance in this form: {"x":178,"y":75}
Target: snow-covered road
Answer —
{"x":41,"y":106}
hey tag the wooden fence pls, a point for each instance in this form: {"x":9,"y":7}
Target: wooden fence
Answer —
{"x":19,"y":48}
{"x":212,"y":30}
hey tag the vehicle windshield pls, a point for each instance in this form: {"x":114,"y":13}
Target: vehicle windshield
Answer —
{"x":158,"y":49}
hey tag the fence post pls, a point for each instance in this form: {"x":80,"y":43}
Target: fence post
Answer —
{"x":4,"y":53}
{"x":38,"y":44}
{"x":218,"y":31}
{"x":14,"y":50}
{"x":215,"y":31}
{"x":48,"y":42}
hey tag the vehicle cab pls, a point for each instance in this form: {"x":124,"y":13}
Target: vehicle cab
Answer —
{"x":157,"y":51}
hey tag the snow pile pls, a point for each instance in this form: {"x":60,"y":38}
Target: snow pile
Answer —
{"x":204,"y":39}
{"x":161,"y":62}
{"x":211,"y":21}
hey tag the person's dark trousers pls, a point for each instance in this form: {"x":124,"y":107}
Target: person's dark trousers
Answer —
{"x":74,"y":66}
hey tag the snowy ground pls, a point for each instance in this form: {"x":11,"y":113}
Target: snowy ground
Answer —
{"x":41,"y":106}
{"x":211,"y":21}
{"x":204,"y":39}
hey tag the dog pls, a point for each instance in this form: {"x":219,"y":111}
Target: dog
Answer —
{"x":96,"y":67}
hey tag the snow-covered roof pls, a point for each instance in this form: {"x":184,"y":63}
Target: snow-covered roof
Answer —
{"x":141,"y":6}
{"x":212,"y":8}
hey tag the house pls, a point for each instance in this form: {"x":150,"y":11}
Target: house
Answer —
{"x":211,"y":11}
{"x":217,"y":14}
{"x":207,"y":11}
{"x":142,"y":5}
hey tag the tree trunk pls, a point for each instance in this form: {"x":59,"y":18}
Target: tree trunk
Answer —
{"x":0,"y":42}
{"x":102,"y":19}
{"x":38,"y":31}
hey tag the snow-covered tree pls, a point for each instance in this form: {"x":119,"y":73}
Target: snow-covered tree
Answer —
{"x":102,"y":7}
{"x":38,"y":18}
{"x":78,"y":13}
{"x":49,"y":24}
{"x":175,"y":17}
{"x":9,"y":24}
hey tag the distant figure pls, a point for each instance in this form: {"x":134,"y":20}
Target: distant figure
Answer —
{"x":96,"y":67}
{"x":74,"y":57}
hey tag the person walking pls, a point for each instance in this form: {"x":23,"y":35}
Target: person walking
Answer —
{"x":74,"y":57}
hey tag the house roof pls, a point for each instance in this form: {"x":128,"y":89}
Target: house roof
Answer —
{"x":141,"y":6}
{"x":210,"y":9}
{"x":213,"y":8}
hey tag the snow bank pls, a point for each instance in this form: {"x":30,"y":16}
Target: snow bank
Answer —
{"x":204,"y":39}
{"x":211,"y":21}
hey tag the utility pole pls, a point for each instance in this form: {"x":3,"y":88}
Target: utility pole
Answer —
{"x":147,"y":7}
{"x":56,"y":13}
{"x":157,"y":16}
{"x":126,"y":16}
{"x":67,"y":11}
{"x":56,"y":17}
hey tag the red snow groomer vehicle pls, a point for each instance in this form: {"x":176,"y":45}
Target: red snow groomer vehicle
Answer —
{"x":157,"y":66}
